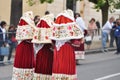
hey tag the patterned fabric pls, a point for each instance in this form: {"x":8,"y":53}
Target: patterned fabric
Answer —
{"x":66,"y":31}
{"x":25,"y":27}
{"x":79,"y":54}
{"x":22,"y":74}
{"x":43,"y":30}
{"x":41,"y":35}
{"x":63,"y":77}
{"x":78,"y":45}
{"x":25,"y":32}
{"x":48,"y":19}
{"x":42,"y":77}
{"x":28,"y":17}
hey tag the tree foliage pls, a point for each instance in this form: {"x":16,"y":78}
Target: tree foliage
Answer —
{"x":117,"y":6}
{"x":105,"y":6}
{"x":48,"y":1}
{"x":112,"y":4}
{"x":32,"y":2}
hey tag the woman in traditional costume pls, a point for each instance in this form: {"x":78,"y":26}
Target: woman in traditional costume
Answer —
{"x":24,"y":56}
{"x":78,"y":44}
{"x":44,"y":53}
{"x":64,"y":29}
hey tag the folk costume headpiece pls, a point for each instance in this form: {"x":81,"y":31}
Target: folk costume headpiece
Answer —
{"x":65,"y":27}
{"x":43,"y":29}
{"x":25,"y":28}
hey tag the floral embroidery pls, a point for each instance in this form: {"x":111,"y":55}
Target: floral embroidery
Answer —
{"x":79,"y":54}
{"x":42,"y":77}
{"x":64,"y":77}
{"x":41,"y":35}
{"x":69,"y":27}
{"x":70,"y":31}
{"x":24,"y":32}
{"x":22,"y":74}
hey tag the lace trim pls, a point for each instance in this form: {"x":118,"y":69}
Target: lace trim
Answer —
{"x":63,"y":77}
{"x":79,"y":54}
{"x":66,"y":31}
{"x":42,"y":77}
{"x":59,"y":44}
{"x":41,"y":35}
{"x":22,"y":74}
{"x":24,"y":32}
{"x":37,"y":47}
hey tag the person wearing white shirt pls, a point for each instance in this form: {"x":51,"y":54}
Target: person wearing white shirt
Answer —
{"x":105,"y":32}
{"x":3,"y":36}
{"x":79,"y":48}
{"x":80,"y":22}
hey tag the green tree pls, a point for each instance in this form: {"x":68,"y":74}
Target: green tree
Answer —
{"x":117,"y":6}
{"x":105,"y":6}
{"x":16,"y":9}
{"x":32,"y":2}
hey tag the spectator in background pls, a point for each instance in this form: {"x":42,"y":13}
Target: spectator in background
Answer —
{"x":47,"y":12}
{"x":79,"y":48}
{"x":3,"y":36}
{"x":92,"y":27}
{"x":98,"y":27}
{"x":105,"y":32}
{"x":81,"y":23}
{"x":36,"y":19}
{"x":91,"y":32}
{"x":117,"y":36}
{"x":12,"y":40}
{"x":112,"y":36}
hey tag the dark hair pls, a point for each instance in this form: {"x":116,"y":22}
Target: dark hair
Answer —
{"x":114,"y":22}
{"x":118,"y":22}
{"x":2,"y":23}
{"x":36,"y":17}
{"x":92,"y":19}
{"x":76,"y":14}
{"x":47,"y":12}
{"x":11,"y":26}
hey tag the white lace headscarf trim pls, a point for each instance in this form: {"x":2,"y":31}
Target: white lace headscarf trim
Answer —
{"x":60,"y":43}
{"x":37,"y":47}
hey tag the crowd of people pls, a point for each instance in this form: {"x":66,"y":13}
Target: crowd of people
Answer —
{"x":7,"y":39}
{"x":111,"y":27}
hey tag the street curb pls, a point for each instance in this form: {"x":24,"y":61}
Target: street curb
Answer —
{"x":98,"y":50}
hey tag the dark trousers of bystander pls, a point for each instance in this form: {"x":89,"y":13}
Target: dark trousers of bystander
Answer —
{"x":118,"y":45}
{"x":112,"y":38}
{"x":1,"y":58}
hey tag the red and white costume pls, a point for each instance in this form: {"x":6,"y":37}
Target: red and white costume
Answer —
{"x":79,"y":43}
{"x":44,"y":54}
{"x":24,"y":57}
{"x":64,"y":29}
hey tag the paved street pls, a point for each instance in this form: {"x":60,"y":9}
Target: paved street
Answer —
{"x":100,"y":66}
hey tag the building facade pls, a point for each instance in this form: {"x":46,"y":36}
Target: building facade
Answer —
{"x":85,"y":8}
{"x":5,"y":7}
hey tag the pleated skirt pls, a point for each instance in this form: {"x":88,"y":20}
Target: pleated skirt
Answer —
{"x":44,"y":62}
{"x":64,"y":64}
{"x":24,"y":61}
